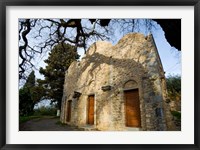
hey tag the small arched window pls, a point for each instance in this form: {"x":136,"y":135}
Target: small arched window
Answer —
{"x":130,"y":84}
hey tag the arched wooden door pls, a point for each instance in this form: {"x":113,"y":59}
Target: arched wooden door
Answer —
{"x":132,"y":108}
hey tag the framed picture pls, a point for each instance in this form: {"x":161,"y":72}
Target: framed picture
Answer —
{"x":148,"y":137}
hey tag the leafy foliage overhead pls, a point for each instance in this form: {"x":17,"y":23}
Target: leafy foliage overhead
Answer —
{"x":37,"y":36}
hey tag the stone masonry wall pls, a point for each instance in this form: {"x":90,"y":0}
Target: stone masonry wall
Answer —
{"x":132,"y":63}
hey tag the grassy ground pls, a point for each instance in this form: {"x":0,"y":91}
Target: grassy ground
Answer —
{"x":42,"y":112}
{"x":23,"y":119}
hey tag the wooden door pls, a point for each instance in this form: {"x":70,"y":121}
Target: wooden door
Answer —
{"x":69,"y":105}
{"x":90,"y":109}
{"x":132,"y":108}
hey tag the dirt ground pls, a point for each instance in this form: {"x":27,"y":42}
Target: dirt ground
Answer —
{"x":46,"y":124}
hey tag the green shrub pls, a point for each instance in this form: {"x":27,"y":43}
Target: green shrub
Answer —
{"x":23,"y":119}
{"x":45,"y":111}
{"x":176,"y":114}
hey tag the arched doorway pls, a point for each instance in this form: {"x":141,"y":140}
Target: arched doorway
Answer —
{"x":132,"y":104}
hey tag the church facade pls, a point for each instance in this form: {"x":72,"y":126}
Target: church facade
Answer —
{"x":120,"y":87}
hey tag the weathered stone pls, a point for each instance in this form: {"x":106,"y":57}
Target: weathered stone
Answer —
{"x":133,"y":63}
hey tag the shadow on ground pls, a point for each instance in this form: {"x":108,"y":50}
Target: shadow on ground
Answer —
{"x":47,"y":123}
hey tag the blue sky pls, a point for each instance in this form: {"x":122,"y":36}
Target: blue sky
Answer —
{"x":170,"y":56}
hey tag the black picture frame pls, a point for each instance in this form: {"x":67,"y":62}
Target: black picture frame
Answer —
{"x":5,"y":3}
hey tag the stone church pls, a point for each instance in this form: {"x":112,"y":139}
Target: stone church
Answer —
{"x":120,"y":87}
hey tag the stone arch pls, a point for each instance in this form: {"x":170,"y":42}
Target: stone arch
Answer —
{"x":130,"y":84}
